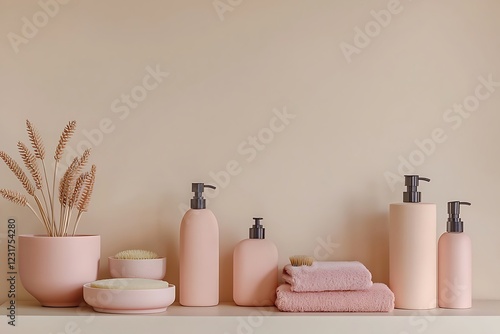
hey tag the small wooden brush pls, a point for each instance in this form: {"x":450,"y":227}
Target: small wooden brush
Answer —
{"x":301,"y":260}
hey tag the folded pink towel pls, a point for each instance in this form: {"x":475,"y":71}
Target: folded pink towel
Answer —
{"x":327,"y":276}
{"x":378,"y":298}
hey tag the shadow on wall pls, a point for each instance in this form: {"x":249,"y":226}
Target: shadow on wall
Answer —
{"x":169,"y":229}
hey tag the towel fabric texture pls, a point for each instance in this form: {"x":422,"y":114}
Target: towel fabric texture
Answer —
{"x":377,"y":298}
{"x":328,"y":276}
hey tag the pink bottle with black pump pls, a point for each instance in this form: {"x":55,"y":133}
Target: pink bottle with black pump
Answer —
{"x":255,"y":269}
{"x":413,"y":249}
{"x":199,"y":253}
{"x":455,"y":262}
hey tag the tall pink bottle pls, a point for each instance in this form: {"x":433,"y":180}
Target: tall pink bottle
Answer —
{"x":455,"y":262}
{"x":412,"y":249}
{"x":255,"y":269}
{"x":199,"y":253}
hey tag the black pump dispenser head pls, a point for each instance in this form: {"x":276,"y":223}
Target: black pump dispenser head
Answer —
{"x":411,"y":195}
{"x":257,"y":231}
{"x":455,"y":223}
{"x":198,"y":201}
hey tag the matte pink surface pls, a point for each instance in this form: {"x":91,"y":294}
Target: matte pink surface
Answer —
{"x":378,"y":298}
{"x":255,"y":272}
{"x":199,"y":259}
{"x":54,"y":269}
{"x":143,"y":268}
{"x":413,"y":255}
{"x":324,"y":276}
{"x":455,"y":270}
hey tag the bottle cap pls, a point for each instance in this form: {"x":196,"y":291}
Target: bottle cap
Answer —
{"x":257,"y":231}
{"x":198,"y":201}
{"x":411,"y":195}
{"x":455,"y":223}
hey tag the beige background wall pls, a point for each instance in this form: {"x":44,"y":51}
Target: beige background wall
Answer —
{"x":318,"y":177}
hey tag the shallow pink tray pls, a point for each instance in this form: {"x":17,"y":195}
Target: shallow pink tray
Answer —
{"x":129,"y":301}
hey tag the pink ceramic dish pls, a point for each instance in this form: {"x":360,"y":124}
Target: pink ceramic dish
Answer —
{"x":129,"y":301}
{"x":144,"y":268}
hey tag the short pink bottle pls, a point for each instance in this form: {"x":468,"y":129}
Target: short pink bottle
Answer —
{"x":199,"y":253}
{"x":255,"y":269}
{"x":455,"y":262}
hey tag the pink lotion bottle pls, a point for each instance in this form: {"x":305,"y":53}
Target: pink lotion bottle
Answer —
{"x":413,"y":249}
{"x":455,"y":262}
{"x":255,"y":269}
{"x":199,"y":253}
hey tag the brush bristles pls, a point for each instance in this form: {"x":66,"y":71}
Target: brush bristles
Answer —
{"x":301,"y":260}
{"x":136,"y":254}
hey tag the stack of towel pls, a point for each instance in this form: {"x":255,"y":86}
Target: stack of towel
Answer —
{"x":332,"y":287}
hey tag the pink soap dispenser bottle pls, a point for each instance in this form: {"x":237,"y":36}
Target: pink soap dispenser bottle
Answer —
{"x":413,"y":249}
{"x":455,"y":262}
{"x":255,"y":269}
{"x":199,"y":253}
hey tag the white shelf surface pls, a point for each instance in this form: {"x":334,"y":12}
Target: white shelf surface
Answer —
{"x":227,"y":318}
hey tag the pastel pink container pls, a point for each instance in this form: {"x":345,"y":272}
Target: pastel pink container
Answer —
{"x":137,"y":268}
{"x":455,"y":270}
{"x":54,"y":269}
{"x":129,"y":301}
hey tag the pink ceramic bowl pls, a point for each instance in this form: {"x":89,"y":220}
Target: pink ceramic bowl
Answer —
{"x":147,"y":268}
{"x":129,"y":301}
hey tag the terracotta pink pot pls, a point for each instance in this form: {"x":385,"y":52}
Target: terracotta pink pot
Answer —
{"x":54,"y":269}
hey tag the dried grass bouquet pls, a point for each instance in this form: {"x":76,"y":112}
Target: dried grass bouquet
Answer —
{"x":75,"y":186}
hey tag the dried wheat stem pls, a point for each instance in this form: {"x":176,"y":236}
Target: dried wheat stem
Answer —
{"x":38,"y":147}
{"x":19,"y":199}
{"x":17,"y":170}
{"x":78,"y":217}
{"x":80,"y":182}
{"x":64,"y":186}
{"x":45,"y":219}
{"x":48,"y":191}
{"x":14,"y":197}
{"x":63,"y":225}
{"x":30,"y":162}
{"x":77,"y":189}
{"x":54,"y":177}
{"x":66,"y":135}
{"x":68,"y":185}
{"x":83,"y":203}
{"x":35,"y":140}
{"x":68,"y":131}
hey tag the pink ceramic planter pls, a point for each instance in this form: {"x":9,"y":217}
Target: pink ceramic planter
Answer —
{"x":54,"y":269}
